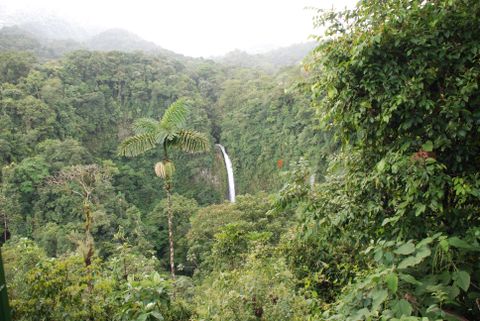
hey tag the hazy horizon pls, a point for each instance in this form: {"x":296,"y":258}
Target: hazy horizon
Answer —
{"x":198,"y":29}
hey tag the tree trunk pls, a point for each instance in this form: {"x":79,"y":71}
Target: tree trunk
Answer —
{"x":87,"y":211}
{"x":89,"y":248}
{"x":168,"y":190}
{"x":170,"y":228}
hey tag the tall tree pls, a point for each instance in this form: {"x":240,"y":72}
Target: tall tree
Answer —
{"x":83,"y":180}
{"x":168,"y":132}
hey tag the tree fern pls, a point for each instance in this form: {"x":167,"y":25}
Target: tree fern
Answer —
{"x":145,"y":125}
{"x":175,"y":116}
{"x":167,"y":133}
{"x":138,"y":144}
{"x":191,"y":141}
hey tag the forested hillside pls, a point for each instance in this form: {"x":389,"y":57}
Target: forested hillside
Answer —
{"x":269,"y":61}
{"x":356,"y":172}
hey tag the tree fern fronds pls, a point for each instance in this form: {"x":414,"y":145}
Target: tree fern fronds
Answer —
{"x":137,"y":145}
{"x":161,"y":136}
{"x":175,"y":116}
{"x":145,"y":125}
{"x":191,"y":141}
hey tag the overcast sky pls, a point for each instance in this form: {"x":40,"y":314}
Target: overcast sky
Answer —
{"x":195,"y":27}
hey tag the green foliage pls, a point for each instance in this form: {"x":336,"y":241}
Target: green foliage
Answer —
{"x":59,"y":116}
{"x":15,"y":65}
{"x":221,"y":235}
{"x":270,"y":61}
{"x":205,"y":224}
{"x":183,"y":209}
{"x":402,"y":105}
{"x":388,"y":229}
{"x":59,"y":153}
{"x":144,"y":300}
{"x":267,"y":126}
{"x":412,"y":279}
{"x":324,"y":249}
{"x":411,"y":109}
{"x":262,"y":289}
{"x":64,"y":288}
{"x":168,"y":132}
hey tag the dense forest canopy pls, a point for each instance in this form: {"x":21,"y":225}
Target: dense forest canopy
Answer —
{"x":357,"y":174}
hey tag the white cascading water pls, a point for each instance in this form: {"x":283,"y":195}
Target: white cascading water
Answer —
{"x":231,"y":181}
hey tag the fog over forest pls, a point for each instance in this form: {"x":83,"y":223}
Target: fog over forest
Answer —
{"x":210,"y":28}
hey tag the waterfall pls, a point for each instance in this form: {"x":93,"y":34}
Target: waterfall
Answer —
{"x":231,"y":181}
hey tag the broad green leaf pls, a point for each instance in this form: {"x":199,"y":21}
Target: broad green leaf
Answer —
{"x":459,"y":243}
{"x":453,"y":291}
{"x":462,"y":279}
{"x":402,"y":308}
{"x":423,"y":252}
{"x":381,"y":165}
{"x":428,"y":146}
{"x":409,"y":261}
{"x":409,"y":279}
{"x":423,"y":242}
{"x":378,"y":297}
{"x":392,"y":282}
{"x":405,"y":249}
{"x":143,"y":317}
{"x":157,"y":315}
{"x":433,"y":308}
{"x":444,"y":245}
{"x":378,"y":255}
{"x":332,"y":91}
{"x":420,"y":208}
{"x":388,"y":220}
{"x":156,"y":277}
{"x":360,"y":314}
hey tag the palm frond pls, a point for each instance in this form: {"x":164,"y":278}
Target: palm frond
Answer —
{"x":137,"y":144}
{"x":145,"y":125}
{"x":175,"y":115}
{"x":191,"y":141}
{"x":160,"y":136}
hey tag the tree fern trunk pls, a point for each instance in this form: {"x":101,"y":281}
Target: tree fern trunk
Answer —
{"x":170,"y":228}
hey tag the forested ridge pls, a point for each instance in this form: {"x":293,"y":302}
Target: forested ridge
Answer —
{"x":357,"y":175}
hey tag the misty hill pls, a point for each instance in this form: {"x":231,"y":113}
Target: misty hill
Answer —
{"x":269,"y":61}
{"x":122,"y":40}
{"x":43,"y":25}
{"x":16,"y":38}
{"x":56,"y":29}
{"x":50,"y":36}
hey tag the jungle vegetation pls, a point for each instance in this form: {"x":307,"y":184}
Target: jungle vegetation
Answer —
{"x":383,"y":114}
